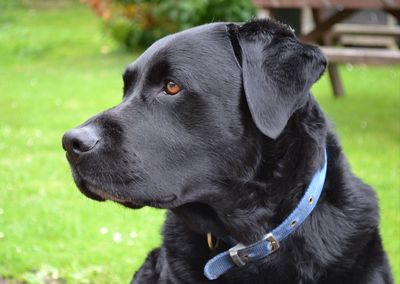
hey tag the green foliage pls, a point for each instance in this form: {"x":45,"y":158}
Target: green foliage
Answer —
{"x":136,"y":23}
{"x":7,"y":4}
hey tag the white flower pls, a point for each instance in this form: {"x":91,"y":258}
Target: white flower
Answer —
{"x":133,"y":234}
{"x":117,"y":237}
{"x":103,"y":230}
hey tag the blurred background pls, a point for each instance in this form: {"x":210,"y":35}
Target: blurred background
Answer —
{"x":61,"y":62}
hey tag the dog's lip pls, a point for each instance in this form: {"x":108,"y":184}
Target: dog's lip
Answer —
{"x":163,"y":202}
{"x":82,"y":186}
{"x":91,"y":195}
{"x":159,"y":202}
{"x":96,"y":192}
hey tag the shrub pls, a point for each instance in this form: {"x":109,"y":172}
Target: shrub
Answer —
{"x":138,"y":23}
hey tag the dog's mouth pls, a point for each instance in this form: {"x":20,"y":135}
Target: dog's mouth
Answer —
{"x":100,"y":193}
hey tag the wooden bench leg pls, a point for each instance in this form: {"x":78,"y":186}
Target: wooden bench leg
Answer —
{"x":336,"y":83}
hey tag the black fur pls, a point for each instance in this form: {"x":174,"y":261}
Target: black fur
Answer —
{"x":231,"y":154}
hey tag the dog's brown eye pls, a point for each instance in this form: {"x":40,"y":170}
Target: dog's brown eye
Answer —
{"x":172,"y":88}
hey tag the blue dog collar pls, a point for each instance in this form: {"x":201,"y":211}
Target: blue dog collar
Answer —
{"x":240,"y":254}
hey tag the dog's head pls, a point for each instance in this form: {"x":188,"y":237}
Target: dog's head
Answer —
{"x":194,"y":107}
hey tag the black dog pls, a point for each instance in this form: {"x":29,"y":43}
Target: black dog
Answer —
{"x":217,"y":125}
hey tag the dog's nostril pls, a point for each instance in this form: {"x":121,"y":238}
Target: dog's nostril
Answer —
{"x":79,"y":146}
{"x":80,"y":140}
{"x":76,"y":146}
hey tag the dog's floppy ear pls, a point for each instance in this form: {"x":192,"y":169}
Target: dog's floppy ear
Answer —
{"x":278,"y":71}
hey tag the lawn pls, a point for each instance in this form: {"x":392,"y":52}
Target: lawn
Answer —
{"x":57,"y":68}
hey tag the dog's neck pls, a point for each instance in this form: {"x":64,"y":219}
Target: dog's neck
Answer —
{"x":254,"y":207}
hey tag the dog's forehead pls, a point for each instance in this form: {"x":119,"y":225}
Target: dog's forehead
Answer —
{"x":197,"y":41}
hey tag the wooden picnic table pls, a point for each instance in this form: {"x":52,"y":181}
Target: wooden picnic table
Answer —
{"x":324,"y":24}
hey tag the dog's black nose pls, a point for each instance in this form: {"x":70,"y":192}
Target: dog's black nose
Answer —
{"x":80,"y":140}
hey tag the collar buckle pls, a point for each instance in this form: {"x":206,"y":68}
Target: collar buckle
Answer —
{"x":274,"y":243}
{"x":240,"y":253}
{"x":236,"y":258}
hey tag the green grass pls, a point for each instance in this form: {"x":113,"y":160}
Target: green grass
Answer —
{"x":56,"y":70}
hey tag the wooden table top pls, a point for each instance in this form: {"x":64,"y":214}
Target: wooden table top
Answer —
{"x":338,"y":4}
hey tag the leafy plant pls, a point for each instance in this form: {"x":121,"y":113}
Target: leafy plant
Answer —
{"x":138,"y":23}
